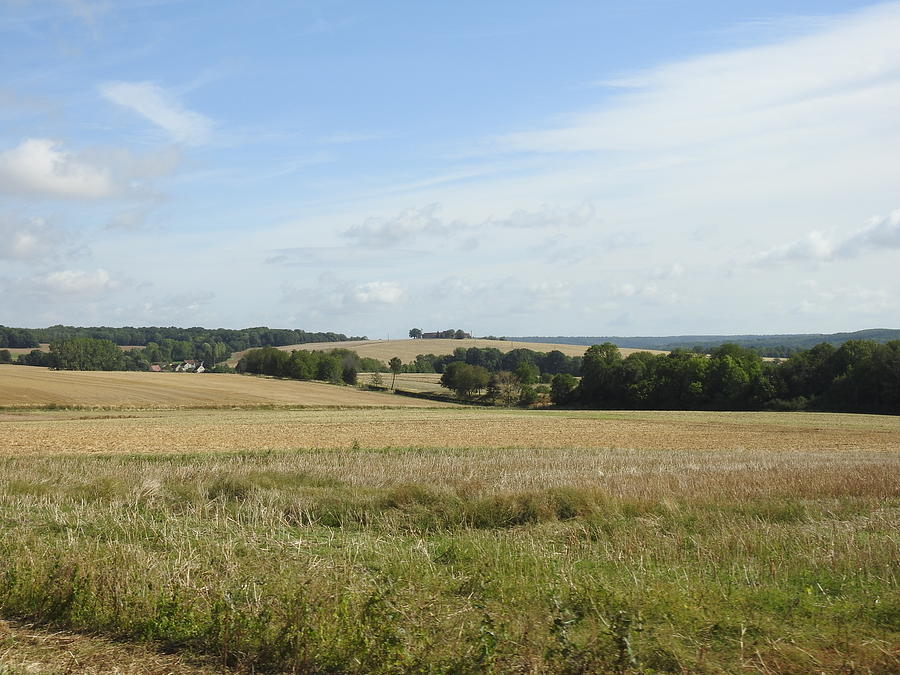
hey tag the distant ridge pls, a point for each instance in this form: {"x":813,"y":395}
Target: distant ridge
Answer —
{"x":767,"y":345}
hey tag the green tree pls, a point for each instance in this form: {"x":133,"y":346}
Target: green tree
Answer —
{"x":527,"y":373}
{"x":396,"y":365}
{"x":561,"y":388}
{"x":5,"y":356}
{"x":86,"y":354}
{"x":464,"y":379}
{"x":415,"y":333}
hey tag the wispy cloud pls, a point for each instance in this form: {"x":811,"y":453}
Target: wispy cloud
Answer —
{"x":159,"y":106}
{"x":410,"y":224}
{"x":736,"y":94}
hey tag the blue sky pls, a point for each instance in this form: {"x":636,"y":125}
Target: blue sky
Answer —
{"x":581,"y":168}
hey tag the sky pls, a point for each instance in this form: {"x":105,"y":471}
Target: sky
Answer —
{"x":509,"y":168}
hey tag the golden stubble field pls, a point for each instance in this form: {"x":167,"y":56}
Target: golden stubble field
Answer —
{"x":407,"y":350}
{"x":28,"y":386}
{"x":774,"y":435}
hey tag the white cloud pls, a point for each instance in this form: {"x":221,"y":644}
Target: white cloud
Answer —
{"x":332,"y":296}
{"x":32,"y":239}
{"x":880,"y":233}
{"x":160,"y":107}
{"x":39,"y":166}
{"x":77,"y":282}
{"x":411,"y":223}
{"x":814,"y":246}
{"x":378,"y":292}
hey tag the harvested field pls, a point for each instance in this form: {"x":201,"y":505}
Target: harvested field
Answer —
{"x":449,"y":540}
{"x":453,"y":428}
{"x":416,"y":382}
{"x":407,"y":350}
{"x":456,"y":540}
{"x":22,"y":386}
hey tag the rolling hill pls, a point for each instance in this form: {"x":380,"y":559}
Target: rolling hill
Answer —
{"x":23,"y":386}
{"x":407,"y":350}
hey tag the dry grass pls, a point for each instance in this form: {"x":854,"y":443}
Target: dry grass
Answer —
{"x":407,"y":350}
{"x":451,"y":428}
{"x":29,"y":386}
{"x":32,"y":649}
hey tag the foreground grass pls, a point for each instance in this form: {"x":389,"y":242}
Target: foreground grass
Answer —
{"x":465,"y":560}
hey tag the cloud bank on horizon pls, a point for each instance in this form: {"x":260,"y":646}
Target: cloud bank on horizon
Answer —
{"x":574,"y":169}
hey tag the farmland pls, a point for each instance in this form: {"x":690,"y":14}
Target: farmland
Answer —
{"x":407,"y":350}
{"x":448,"y":539}
{"x":29,"y":387}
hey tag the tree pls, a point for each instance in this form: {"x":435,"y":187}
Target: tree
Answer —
{"x":509,"y":388}
{"x":527,"y":373}
{"x":415,"y":333}
{"x":86,"y":354}
{"x":464,"y":379}
{"x":5,"y":356}
{"x":561,"y":388}
{"x":396,"y":365}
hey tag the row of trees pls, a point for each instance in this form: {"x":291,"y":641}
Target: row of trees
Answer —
{"x":503,"y":387}
{"x":495,"y":361}
{"x":449,"y":334}
{"x":859,"y":376}
{"x":235,"y":340}
{"x":82,"y":354}
{"x":335,"y":365}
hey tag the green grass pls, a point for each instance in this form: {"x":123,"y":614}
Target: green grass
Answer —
{"x":268,"y":565}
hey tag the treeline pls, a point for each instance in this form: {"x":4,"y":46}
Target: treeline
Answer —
{"x":778,"y":345}
{"x":17,"y":338}
{"x":235,"y":340}
{"x":334,"y":365}
{"x":858,"y":376}
{"x":82,"y":354}
{"x":495,"y":361}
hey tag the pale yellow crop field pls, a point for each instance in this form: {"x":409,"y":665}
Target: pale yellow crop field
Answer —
{"x":407,"y":350}
{"x":23,"y":386}
{"x":728,"y":435}
{"x":415,"y":382}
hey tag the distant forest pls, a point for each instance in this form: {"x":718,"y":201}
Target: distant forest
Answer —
{"x":778,"y":346}
{"x":236,"y":340}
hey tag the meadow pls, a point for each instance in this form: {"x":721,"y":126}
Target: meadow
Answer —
{"x":448,"y":540}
